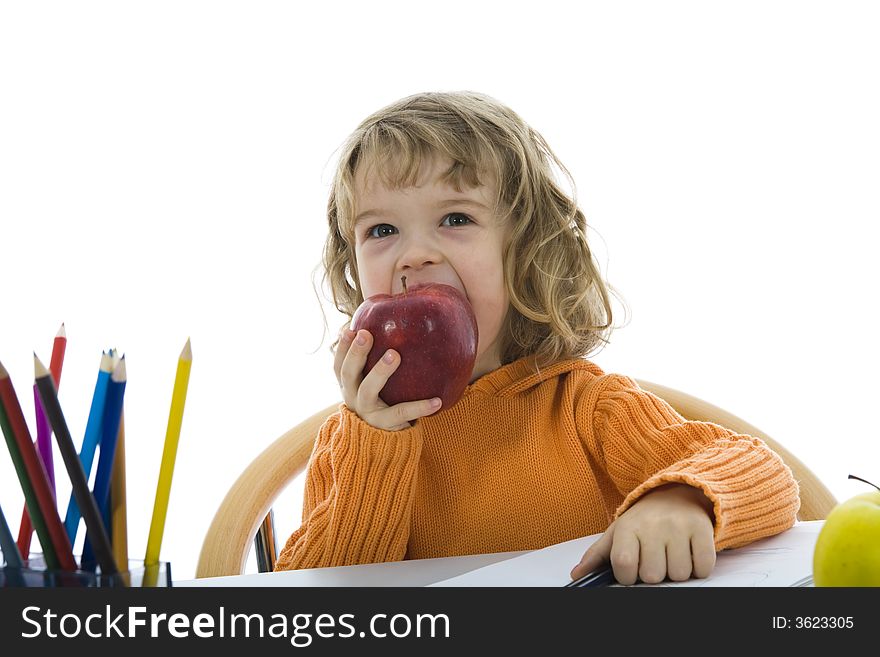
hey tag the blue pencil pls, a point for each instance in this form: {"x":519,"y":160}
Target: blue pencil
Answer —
{"x":14,"y":564}
{"x":80,"y":484}
{"x":90,"y":440}
{"x":109,"y":434}
{"x":7,"y":543}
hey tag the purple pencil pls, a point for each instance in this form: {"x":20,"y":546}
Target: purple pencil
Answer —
{"x":43,"y":442}
{"x":44,"y":439}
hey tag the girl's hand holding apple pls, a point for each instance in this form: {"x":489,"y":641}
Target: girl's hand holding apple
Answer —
{"x":361,"y":393}
{"x":433,"y":326}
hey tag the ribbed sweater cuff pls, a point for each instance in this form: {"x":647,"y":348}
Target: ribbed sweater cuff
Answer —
{"x":374,"y":472}
{"x":723,"y":472}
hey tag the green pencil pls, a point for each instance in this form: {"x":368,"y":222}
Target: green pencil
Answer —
{"x":30,"y":496}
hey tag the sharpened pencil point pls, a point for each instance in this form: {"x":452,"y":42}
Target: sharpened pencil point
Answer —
{"x":106,"y":362}
{"x":187,"y":352}
{"x":3,"y":373}
{"x":62,"y":333}
{"x":119,"y":375}
{"x":39,"y":369}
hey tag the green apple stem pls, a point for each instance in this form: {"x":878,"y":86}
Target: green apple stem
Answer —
{"x":403,"y":280}
{"x":865,"y":480}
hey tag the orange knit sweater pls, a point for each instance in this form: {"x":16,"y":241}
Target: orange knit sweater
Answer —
{"x":524,"y":460}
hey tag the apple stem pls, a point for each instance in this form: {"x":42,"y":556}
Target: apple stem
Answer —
{"x":864,"y":480}
{"x":403,"y":280}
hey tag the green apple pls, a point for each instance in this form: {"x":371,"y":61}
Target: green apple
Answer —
{"x":847,"y":551}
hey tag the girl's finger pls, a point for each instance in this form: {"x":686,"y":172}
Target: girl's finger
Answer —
{"x":679,"y":563}
{"x":652,"y":562}
{"x":346,"y":335}
{"x":352,"y":367}
{"x":596,"y":555}
{"x":376,"y":378}
{"x":703,"y":551}
{"x":400,"y":415}
{"x":625,"y":555}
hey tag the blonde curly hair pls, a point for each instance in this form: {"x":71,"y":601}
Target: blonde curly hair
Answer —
{"x":559,"y":303}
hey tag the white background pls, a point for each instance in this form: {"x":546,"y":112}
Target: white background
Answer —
{"x":164,"y":169}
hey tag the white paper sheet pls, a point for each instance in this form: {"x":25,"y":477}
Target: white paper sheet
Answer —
{"x":782,"y":560}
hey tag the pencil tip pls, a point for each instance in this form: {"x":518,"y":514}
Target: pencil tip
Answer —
{"x":119,"y":375}
{"x":62,"y":333}
{"x":39,"y":368}
{"x":187,"y":352}
{"x":3,"y":373}
{"x":106,"y":362}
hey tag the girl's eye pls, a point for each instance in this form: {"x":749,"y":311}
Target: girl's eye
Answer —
{"x":456,"y":219}
{"x":381,"y":230}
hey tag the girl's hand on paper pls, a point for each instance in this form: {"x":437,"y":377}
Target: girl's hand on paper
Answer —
{"x":361,"y":393}
{"x":668,"y":533}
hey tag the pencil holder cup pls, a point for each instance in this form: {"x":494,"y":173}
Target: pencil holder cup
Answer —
{"x":34,"y":574}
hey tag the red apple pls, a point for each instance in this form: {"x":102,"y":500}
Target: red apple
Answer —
{"x":433,"y":328}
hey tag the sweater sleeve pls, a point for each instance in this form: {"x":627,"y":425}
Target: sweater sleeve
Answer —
{"x":358,"y":496}
{"x":645,"y":443}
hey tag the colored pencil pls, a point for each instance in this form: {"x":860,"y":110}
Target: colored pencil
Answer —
{"x":53,"y":539}
{"x":90,"y":440}
{"x":109,"y":434}
{"x":44,"y":438}
{"x":57,"y":360}
{"x":118,"y":518}
{"x":44,"y":451}
{"x":169,"y":454}
{"x":600,"y":577}
{"x":84,"y":498}
{"x":27,"y":489}
{"x":13,"y":569}
{"x":7,"y":544}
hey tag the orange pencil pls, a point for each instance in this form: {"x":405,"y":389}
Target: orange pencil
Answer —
{"x":118,"y":516}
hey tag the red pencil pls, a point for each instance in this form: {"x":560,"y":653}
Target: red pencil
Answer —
{"x":57,"y":360}
{"x":44,"y":439}
{"x":36,"y":473}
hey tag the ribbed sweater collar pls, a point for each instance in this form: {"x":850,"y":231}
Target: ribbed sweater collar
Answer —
{"x":522,"y":374}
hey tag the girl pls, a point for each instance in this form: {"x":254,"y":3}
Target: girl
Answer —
{"x":543,"y":446}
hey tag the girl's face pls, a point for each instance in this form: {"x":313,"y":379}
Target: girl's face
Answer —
{"x":431,"y":233}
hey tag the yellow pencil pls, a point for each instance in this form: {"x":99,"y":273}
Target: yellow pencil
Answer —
{"x":169,"y":453}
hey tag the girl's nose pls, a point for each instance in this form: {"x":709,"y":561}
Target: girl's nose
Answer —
{"x":417,"y":254}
